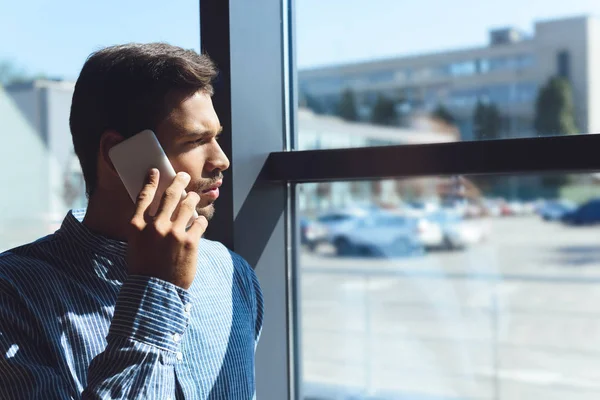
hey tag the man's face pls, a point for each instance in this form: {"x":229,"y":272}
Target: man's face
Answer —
{"x":189,"y":136}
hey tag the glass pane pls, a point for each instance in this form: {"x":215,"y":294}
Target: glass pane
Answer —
{"x":451,"y":288}
{"x":43,"y":49}
{"x":396,"y":72}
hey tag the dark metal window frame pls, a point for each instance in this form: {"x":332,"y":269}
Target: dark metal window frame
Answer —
{"x":540,"y":155}
{"x":255,"y":97}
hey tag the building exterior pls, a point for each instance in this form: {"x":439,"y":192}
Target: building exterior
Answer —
{"x":43,"y":107}
{"x":28,"y":202}
{"x":319,"y":132}
{"x":507,"y":72}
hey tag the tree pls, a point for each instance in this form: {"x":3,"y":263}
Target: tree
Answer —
{"x":555,"y":115}
{"x":444,"y":114}
{"x":486,"y":121}
{"x":308,"y":101}
{"x":10,"y":74}
{"x":347,"y":107}
{"x":554,"y":110}
{"x":384,"y":112}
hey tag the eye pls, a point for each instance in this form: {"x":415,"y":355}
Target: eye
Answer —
{"x":198,"y":142}
{"x":203,"y":140}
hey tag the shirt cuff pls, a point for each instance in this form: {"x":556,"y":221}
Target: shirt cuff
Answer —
{"x":151,"y":311}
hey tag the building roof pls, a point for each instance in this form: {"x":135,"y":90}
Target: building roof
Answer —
{"x":42,"y":83}
{"x":327,"y":124}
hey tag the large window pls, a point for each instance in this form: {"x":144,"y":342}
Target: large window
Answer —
{"x":444,"y":280}
{"x":423,"y":284}
{"x":43,"y":48}
{"x":450,"y":288}
{"x":447,"y":282}
{"x":447,"y":71}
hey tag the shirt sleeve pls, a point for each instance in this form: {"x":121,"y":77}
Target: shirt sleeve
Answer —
{"x":139,"y":360}
{"x":150,"y":318}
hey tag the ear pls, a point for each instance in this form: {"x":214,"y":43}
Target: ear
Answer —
{"x":108,"y":140}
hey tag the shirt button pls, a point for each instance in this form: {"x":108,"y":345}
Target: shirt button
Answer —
{"x":187,"y":308}
{"x":179,"y":356}
{"x":176,"y":337}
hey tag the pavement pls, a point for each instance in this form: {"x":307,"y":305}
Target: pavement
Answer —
{"x":516,"y":317}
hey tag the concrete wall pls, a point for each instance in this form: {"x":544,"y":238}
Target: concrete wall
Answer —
{"x":29,"y":103}
{"x":44,"y":106}
{"x":25,"y":211}
{"x":58,"y":106}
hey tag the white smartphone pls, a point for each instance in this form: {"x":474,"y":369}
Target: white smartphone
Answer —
{"x":134,"y":157}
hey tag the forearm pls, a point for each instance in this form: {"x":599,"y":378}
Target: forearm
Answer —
{"x":143,"y":343}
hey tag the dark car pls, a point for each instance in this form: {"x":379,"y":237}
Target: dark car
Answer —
{"x":555,"y":210}
{"x":586,"y":214}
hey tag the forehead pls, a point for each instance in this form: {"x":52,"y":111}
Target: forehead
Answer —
{"x":188,"y":113}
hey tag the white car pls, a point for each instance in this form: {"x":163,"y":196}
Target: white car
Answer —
{"x":429,"y":232}
{"x":372,"y":234}
{"x":457,"y":232}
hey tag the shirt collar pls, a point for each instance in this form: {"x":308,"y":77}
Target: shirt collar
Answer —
{"x":74,"y":229}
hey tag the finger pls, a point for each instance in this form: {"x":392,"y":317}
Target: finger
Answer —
{"x":172,"y":197}
{"x":146,"y":196}
{"x":185,"y":211}
{"x":197,"y":229}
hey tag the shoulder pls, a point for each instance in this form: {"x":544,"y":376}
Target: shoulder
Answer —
{"x":217,"y":252}
{"x":29,"y":264}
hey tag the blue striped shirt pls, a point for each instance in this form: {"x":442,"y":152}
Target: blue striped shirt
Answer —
{"x":74,"y":325}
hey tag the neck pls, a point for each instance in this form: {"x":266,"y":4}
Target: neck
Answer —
{"x":108,"y":214}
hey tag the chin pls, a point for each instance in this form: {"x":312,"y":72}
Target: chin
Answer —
{"x":207,"y":212}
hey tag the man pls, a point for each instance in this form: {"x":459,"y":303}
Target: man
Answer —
{"x":119,"y":304}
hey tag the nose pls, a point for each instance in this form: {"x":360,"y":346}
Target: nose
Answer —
{"x":217,"y":159}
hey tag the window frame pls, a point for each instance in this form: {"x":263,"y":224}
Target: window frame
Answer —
{"x":252,"y":44}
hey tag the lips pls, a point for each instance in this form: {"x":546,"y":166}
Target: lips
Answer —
{"x":216,"y":186}
{"x":212,"y":193}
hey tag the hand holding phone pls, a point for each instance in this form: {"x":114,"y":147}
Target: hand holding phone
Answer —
{"x":134,"y":157}
{"x":162,"y":246}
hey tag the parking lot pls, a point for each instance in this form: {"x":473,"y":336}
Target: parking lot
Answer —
{"x":516,"y":317}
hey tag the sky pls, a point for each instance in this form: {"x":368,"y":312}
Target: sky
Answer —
{"x":55,"y":37}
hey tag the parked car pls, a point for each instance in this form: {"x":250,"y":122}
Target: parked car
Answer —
{"x":456,"y":232}
{"x":505,"y":209}
{"x":341,"y":221}
{"x":312,"y":233}
{"x":429,"y":231}
{"x":554,"y":210}
{"x":379,"y":234}
{"x":516,"y":208}
{"x":586,"y":214}
{"x":493,"y":207}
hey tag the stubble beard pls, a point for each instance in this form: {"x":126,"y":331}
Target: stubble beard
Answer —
{"x":207,"y":211}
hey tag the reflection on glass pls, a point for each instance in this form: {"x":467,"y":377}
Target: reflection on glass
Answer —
{"x":480,"y":73}
{"x":45,"y":45}
{"x":451,"y":288}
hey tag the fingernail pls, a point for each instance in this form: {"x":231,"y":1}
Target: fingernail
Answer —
{"x":184,"y":175}
{"x":153,"y":172}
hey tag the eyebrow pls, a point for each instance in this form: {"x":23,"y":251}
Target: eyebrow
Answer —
{"x":201,"y":133}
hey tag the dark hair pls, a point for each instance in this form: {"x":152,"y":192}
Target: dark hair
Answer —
{"x":124,"y":88}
